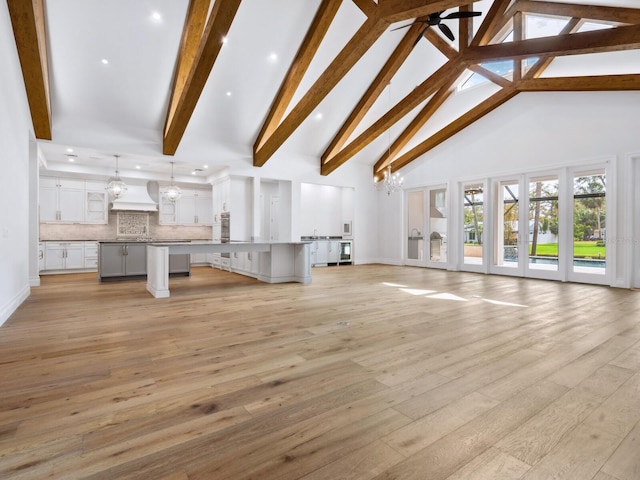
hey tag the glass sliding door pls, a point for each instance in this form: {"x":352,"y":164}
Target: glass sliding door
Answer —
{"x":473,"y":222}
{"x":415,"y":246}
{"x":506,"y":233}
{"x":589,"y":226}
{"x":543,"y":227}
{"x":437,"y":239}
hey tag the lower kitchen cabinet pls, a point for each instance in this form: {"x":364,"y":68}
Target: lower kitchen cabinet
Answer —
{"x":64,"y":255}
{"x":180,"y":264}
{"x":122,"y":260}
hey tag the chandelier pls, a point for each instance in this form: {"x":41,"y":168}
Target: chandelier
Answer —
{"x":116,"y":186}
{"x":172,"y":193}
{"x":391,"y":182}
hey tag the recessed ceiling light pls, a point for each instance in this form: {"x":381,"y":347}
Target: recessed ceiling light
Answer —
{"x":156,"y":17}
{"x":205,"y":166}
{"x":105,"y":61}
{"x":71,"y":159}
{"x":70,"y":150}
{"x":137,"y":167}
{"x":318,"y":116}
{"x":224,"y":39}
{"x":273,"y":57}
{"x":228,"y":94}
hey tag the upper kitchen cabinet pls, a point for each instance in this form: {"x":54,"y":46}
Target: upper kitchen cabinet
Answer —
{"x":194,"y":207}
{"x":69,"y":200}
{"x":96,"y":203}
{"x":221,"y":193}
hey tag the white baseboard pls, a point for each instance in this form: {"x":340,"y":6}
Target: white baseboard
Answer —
{"x":34,"y":281}
{"x":7,"y":310}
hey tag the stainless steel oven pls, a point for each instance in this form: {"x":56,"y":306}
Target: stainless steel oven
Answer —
{"x":346,"y":249}
{"x":224,"y":231}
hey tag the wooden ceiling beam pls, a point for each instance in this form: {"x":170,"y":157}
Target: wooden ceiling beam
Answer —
{"x":588,"y":12}
{"x":518,"y":36}
{"x":609,"y":40}
{"x":465,"y":29}
{"x":194,"y":24}
{"x":217,"y":28}
{"x":492,"y":21}
{"x":399,"y":10}
{"x":581,"y":84}
{"x":312,"y":40}
{"x":541,"y":65}
{"x":453,"y":68}
{"x":378,"y":85}
{"x":434,"y":103}
{"x":363,"y":39}
{"x":368,"y":7}
{"x":441,"y":44}
{"x":454,"y":127}
{"x":489,"y":75}
{"x":27,"y":20}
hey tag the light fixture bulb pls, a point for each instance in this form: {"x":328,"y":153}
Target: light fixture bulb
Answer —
{"x":116,"y":186}
{"x":172,"y":193}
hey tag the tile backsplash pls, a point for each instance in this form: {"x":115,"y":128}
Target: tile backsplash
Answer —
{"x":61,"y":232}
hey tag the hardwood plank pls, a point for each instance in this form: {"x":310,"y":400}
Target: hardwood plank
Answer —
{"x":233,"y":379}
{"x":444,"y":457}
{"x":362,"y":464}
{"x":492,"y":465}
{"x":540,"y":434}
{"x":624,"y":464}
{"x":580,"y":455}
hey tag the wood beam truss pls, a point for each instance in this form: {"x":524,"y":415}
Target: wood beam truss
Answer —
{"x":28,"y":22}
{"x":187,"y":92}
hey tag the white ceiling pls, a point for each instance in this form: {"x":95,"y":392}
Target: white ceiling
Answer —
{"x":119,"y":108}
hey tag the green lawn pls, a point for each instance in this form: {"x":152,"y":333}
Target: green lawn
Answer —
{"x":587,"y":249}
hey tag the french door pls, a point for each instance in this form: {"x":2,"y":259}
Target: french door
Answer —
{"x":427,"y":227}
{"x":509,"y":227}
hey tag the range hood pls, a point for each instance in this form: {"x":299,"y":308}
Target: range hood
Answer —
{"x":136,"y":199}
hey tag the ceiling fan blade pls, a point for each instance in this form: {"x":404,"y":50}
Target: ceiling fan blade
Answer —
{"x":447,"y":31}
{"x":408,"y":25}
{"x":421,"y":35}
{"x":462,"y":15}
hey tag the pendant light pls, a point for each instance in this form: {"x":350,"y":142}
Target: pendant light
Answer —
{"x":391,"y":182}
{"x":172,"y":193}
{"x":116,"y":186}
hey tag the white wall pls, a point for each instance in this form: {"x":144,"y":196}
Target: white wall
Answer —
{"x":15,"y":126}
{"x":532,"y":132}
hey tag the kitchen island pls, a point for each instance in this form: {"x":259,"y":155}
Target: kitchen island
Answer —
{"x":279,"y":262}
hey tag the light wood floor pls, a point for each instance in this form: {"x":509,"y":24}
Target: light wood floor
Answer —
{"x":371,"y":372}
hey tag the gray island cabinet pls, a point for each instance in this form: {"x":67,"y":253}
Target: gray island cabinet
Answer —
{"x":128,"y":261}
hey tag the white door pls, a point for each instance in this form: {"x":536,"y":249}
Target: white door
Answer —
{"x":415,"y":231}
{"x":473,"y":234}
{"x":436,"y":240}
{"x":508,"y":252}
{"x":545,"y":253}
{"x":589,"y":253}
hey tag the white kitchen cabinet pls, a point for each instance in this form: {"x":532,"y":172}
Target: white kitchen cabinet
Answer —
{"x":194,"y":207}
{"x":62,"y":200}
{"x":168,"y":214}
{"x":96,"y":203}
{"x":220,"y":198}
{"x":333,"y":251}
{"x":91,"y":255}
{"x":324,"y":252}
{"x":64,"y":255}
{"x":199,"y":259}
{"x":41,"y":256}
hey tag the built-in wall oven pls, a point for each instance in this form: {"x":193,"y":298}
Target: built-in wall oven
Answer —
{"x":224,"y":231}
{"x":346,"y":249}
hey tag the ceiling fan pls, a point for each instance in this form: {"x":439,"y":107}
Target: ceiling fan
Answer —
{"x":434,"y":19}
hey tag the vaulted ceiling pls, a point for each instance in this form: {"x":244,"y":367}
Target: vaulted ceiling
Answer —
{"x":229,"y":81}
